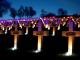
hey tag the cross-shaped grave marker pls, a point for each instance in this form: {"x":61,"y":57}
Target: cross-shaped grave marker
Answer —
{"x":16,"y":34}
{"x":70,"y":34}
{"x":40,"y":35}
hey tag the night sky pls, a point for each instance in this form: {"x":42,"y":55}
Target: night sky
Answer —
{"x":72,"y":6}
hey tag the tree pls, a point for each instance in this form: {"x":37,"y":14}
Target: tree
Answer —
{"x":75,"y":15}
{"x":26,"y":11}
{"x":43,"y":13}
{"x":4,"y":6}
{"x":13,"y":13}
{"x":1,"y":14}
{"x":50,"y":15}
{"x":62,"y":12}
{"x":20,"y":12}
{"x":31,"y":12}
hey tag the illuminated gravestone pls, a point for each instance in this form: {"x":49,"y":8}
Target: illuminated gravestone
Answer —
{"x":50,"y":23}
{"x":27,"y":25}
{"x":1,"y":32}
{"x":46,"y":23}
{"x":53,"y":25}
{"x":63,"y":21}
{"x":2,"y":26}
{"x":20,"y":23}
{"x":58,"y":22}
{"x":10,"y":24}
{"x":78,"y":21}
{"x":40,"y":35}
{"x":70,"y":34}
{"x":34,"y":22}
{"x":7,"y":26}
{"x":16,"y":34}
{"x":43,"y":22}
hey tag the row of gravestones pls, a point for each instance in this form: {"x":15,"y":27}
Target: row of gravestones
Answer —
{"x":71,"y":32}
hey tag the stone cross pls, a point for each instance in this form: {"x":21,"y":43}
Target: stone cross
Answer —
{"x":70,"y":34}
{"x":40,"y":35}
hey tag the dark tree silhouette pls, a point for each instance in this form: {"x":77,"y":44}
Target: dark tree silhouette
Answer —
{"x":26,"y":11}
{"x":75,"y":15}
{"x":31,"y":12}
{"x":43,"y":13}
{"x":13,"y":13}
{"x":4,"y":6}
{"x":20,"y":12}
{"x":1,"y":14}
{"x":62,"y":12}
{"x":50,"y":15}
